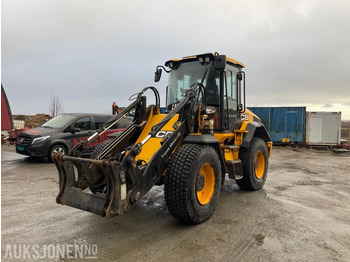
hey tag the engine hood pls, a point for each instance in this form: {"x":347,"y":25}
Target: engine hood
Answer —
{"x":38,"y":132}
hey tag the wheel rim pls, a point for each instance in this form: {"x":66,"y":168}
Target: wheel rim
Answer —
{"x":56,"y":150}
{"x":205,"y":184}
{"x":259,"y":165}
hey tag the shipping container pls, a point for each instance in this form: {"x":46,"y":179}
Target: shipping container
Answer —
{"x":284,"y":124}
{"x":323,"y":128}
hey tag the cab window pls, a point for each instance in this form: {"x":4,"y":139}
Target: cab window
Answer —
{"x":100,"y":120}
{"x":83,"y":123}
{"x":230,"y":98}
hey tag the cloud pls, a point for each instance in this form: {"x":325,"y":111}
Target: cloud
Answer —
{"x":296,"y":52}
{"x":328,"y":106}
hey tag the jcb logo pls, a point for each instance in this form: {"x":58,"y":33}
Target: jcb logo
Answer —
{"x":162,"y":134}
{"x":244,"y":117}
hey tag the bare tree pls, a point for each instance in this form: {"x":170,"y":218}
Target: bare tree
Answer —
{"x":55,"y":106}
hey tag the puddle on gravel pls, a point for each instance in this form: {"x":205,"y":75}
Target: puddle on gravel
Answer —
{"x":318,"y":213}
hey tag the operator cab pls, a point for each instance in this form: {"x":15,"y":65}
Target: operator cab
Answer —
{"x":220,"y":77}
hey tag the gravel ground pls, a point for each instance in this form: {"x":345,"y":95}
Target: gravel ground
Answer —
{"x":301,"y":214}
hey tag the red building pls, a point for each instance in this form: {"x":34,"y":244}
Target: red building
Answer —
{"x":6,"y":116}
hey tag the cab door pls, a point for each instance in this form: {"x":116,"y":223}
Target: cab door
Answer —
{"x":232,"y":118}
{"x":78,"y":131}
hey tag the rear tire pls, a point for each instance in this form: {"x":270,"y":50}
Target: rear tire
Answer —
{"x":254,"y":164}
{"x":192,"y":183}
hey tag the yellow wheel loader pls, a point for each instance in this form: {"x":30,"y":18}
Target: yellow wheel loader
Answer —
{"x":205,"y":133}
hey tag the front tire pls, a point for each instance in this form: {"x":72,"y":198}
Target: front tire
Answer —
{"x":254,"y":164}
{"x":100,"y":184}
{"x":192,"y":183}
{"x":99,"y":148}
{"x":55,"y":149}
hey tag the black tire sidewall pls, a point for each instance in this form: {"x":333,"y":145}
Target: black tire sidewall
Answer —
{"x":258,"y":182}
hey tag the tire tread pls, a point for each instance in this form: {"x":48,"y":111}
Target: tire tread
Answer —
{"x":177,"y":184}
{"x":245,"y":155}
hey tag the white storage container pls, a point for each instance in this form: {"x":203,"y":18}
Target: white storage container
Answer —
{"x":323,"y":128}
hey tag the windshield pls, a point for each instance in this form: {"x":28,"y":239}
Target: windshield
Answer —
{"x":182,"y":77}
{"x":58,"y":121}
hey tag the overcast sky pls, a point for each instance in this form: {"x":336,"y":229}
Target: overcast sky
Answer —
{"x":91,"y":53}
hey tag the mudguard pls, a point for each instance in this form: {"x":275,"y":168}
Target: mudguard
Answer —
{"x":211,"y":141}
{"x":256,"y":129}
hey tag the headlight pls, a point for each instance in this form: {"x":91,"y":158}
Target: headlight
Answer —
{"x":210,"y":110}
{"x":40,"y":139}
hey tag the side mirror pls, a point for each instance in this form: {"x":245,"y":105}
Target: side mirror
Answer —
{"x":76,"y":130}
{"x":157,"y":74}
{"x":219,"y":62}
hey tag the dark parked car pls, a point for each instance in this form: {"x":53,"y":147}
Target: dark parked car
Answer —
{"x":63,"y":132}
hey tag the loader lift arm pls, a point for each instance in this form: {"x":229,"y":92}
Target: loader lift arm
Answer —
{"x":127,"y":180}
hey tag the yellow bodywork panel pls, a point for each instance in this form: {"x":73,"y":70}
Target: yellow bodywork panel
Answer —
{"x":239,"y":136}
{"x":247,"y":117}
{"x":228,"y":154}
{"x":224,"y":137}
{"x":153,"y":144}
{"x":231,"y":153}
{"x":269,"y":148}
{"x":233,"y":61}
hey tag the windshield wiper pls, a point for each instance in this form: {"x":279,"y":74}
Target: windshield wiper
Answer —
{"x":47,"y":127}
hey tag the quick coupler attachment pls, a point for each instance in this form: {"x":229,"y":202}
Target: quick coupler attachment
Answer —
{"x":96,"y":186}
